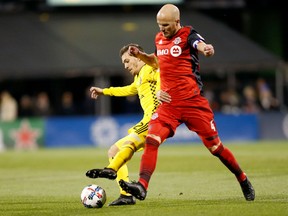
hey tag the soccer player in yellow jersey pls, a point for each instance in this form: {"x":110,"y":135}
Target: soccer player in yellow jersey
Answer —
{"x":146,"y":84}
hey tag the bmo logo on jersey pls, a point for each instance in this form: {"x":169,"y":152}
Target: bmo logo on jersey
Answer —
{"x":175,"y":51}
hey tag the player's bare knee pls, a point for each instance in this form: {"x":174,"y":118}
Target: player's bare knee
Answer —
{"x":213,"y":144}
{"x":112,"y":151}
{"x":154,"y":137}
{"x":216,"y":149}
{"x":153,"y":140}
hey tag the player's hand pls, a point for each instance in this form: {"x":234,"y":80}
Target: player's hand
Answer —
{"x":163,"y":96}
{"x":95,"y":92}
{"x":133,"y":51}
{"x":209,"y":50}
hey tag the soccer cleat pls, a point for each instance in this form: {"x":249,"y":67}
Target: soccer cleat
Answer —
{"x":93,"y":173}
{"x":123,"y":200}
{"x":247,"y":190}
{"x":102,"y":173}
{"x":134,"y":188}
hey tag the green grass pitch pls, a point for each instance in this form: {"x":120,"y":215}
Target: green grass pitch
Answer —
{"x":188,"y":181}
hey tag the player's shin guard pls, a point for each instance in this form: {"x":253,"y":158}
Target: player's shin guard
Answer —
{"x":148,"y":161}
{"x":228,"y":159}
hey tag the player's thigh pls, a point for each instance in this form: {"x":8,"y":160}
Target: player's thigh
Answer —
{"x":135,"y":139}
{"x":141,"y":128}
{"x":164,"y":121}
{"x":137,"y":133}
{"x":202,"y":123}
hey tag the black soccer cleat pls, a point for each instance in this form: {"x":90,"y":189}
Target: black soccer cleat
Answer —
{"x":93,"y":173}
{"x":102,"y":173}
{"x":248,"y":190}
{"x":123,"y":200}
{"x":134,"y":188}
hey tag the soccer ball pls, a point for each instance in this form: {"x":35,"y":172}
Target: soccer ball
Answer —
{"x":93,"y":196}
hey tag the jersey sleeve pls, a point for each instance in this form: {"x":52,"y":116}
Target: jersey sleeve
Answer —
{"x":194,"y":38}
{"x":122,"y":91}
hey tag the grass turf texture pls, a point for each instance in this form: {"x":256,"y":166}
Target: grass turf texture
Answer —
{"x":187,"y":181}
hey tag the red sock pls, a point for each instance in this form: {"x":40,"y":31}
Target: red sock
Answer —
{"x":148,"y":161}
{"x":228,"y":159}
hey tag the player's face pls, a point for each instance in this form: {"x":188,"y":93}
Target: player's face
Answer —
{"x":130,"y":63}
{"x":167,"y":27}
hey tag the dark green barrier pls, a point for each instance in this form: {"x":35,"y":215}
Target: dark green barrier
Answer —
{"x":22,"y":133}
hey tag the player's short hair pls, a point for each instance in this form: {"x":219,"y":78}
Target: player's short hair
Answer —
{"x":125,"y":48}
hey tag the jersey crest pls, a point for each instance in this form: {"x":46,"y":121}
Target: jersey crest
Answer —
{"x":177,"y":40}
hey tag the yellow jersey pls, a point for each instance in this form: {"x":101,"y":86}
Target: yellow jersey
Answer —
{"x":146,"y":83}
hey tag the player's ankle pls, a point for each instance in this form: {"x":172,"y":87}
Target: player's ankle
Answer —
{"x":241,"y":177}
{"x":143,"y":183}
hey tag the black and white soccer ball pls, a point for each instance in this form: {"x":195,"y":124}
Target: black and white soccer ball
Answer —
{"x":93,"y":196}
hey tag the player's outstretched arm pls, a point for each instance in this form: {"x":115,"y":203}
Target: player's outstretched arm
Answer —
{"x":149,"y":59}
{"x":95,"y":92}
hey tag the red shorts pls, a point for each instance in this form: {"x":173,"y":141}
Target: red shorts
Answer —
{"x":195,"y":113}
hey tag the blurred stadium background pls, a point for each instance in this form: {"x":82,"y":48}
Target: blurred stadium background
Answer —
{"x":52,"y":51}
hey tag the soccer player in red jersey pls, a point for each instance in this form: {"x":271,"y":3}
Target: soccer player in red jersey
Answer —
{"x":176,"y":55}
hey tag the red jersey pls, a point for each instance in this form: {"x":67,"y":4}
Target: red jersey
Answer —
{"x":179,"y":63}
